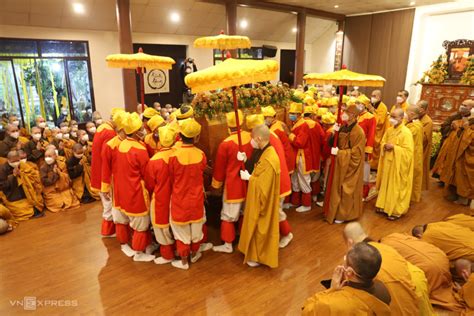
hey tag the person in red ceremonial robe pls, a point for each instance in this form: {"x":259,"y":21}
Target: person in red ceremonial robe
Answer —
{"x":158,"y":181}
{"x":368,"y":123}
{"x":285,"y":182}
{"x":301,"y":143}
{"x":281,"y":131}
{"x":316,"y":137}
{"x":226,"y":173}
{"x":131,"y":199}
{"x":104,"y":133}
{"x":152,"y":140}
{"x":187,"y":214}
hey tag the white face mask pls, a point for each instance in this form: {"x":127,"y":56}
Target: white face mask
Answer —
{"x":399,"y":100}
{"x":64,"y":129}
{"x":23,"y":160}
{"x":36,"y":136}
{"x":374,"y":100}
{"x":92,"y":130}
{"x":59,"y":136}
{"x":16,"y":123}
{"x":78,"y":156}
{"x":393,"y":121}
{"x":344,"y":117}
{"x":85,"y":138}
{"x":42,"y":125}
{"x":253,"y":143}
{"x":49,"y":160}
{"x":66,"y":136}
{"x":73,"y":134}
{"x":14,"y":164}
{"x":15,"y":135}
{"x":98,"y":122}
{"x":57,"y":152}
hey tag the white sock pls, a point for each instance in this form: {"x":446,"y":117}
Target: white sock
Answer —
{"x":196,"y":257}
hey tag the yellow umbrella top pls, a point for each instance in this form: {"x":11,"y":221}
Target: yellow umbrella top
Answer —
{"x":140,"y":59}
{"x":345,"y":77}
{"x":223,"y":42}
{"x":230,"y":73}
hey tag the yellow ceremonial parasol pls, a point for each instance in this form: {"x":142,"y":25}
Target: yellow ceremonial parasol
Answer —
{"x":232,"y":73}
{"x":139,"y":61}
{"x":341,"y":78}
{"x":223,"y":42}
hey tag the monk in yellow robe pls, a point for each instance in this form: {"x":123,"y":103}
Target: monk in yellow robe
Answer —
{"x":57,"y":192}
{"x":79,"y":171}
{"x":402,"y":97}
{"x":346,"y":191}
{"x":406,"y":284}
{"x":395,"y":171}
{"x":259,"y":238}
{"x":464,"y":165}
{"x":416,"y":129}
{"x":425,"y":119}
{"x":434,"y":263}
{"x":456,"y":241}
{"x":30,"y":179}
{"x":13,"y":188}
{"x":380,"y":111}
{"x":354,"y":287}
{"x":462,"y":220}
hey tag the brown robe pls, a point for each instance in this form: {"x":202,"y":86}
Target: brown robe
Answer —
{"x":427,"y":144}
{"x":346,"y":190}
{"x":464,"y":163}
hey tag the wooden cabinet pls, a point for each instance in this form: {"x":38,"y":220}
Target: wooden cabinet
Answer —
{"x":444,"y":99}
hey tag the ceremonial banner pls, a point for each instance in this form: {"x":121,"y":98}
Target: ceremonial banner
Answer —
{"x":157,"y":81}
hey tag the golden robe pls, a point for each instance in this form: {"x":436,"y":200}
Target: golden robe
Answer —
{"x":346,"y":301}
{"x":464,"y":164}
{"x":421,"y":289}
{"x":21,"y":210}
{"x":381,"y":117}
{"x":79,"y":183}
{"x":68,"y":144}
{"x":466,"y":296}
{"x":395,"y":172}
{"x":395,"y":275}
{"x":346,"y":191}
{"x":438,"y":166}
{"x":5,"y":214}
{"x":259,"y":238}
{"x":30,"y":180}
{"x":445,"y":165}
{"x":456,"y":241}
{"x":462,"y":220}
{"x":59,"y":196}
{"x":434,"y":263}
{"x":416,"y":128}
{"x":427,"y":144}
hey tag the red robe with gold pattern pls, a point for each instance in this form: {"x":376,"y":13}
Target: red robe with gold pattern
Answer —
{"x":109,"y":167}
{"x":368,"y":123}
{"x":285,"y":181}
{"x":104,"y":133}
{"x":277,"y":128}
{"x":316,"y":137}
{"x":300,"y":140}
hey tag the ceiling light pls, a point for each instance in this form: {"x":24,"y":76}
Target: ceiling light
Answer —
{"x":244,"y":24}
{"x":336,"y":6}
{"x":78,"y":8}
{"x":175,"y":17}
{"x":412,"y":3}
{"x":243,"y":5}
{"x":294,"y":30}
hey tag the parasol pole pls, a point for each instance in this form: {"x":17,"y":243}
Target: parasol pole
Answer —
{"x":140,"y":71}
{"x":327,"y":193}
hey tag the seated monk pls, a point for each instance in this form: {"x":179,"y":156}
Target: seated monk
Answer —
{"x":406,"y":283}
{"x":354,"y":289}
{"x":456,"y":241}
{"x":35,"y":147}
{"x":465,"y":291}
{"x":6,"y":220}
{"x":57,"y":141}
{"x":13,"y":184}
{"x":79,"y":170}
{"x":434,"y":263}
{"x":461,"y":220}
{"x":31,"y":181}
{"x":57,"y":192}
{"x":67,"y":141}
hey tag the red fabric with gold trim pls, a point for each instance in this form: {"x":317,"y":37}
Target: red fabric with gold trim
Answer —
{"x":277,"y":128}
{"x":109,"y":167}
{"x":301,"y":143}
{"x":316,"y":137}
{"x":104,"y":133}
{"x":369,"y":124}
{"x":285,"y":181}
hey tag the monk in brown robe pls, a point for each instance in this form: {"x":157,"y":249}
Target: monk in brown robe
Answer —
{"x":36,"y":146}
{"x":57,"y":192}
{"x":79,"y":171}
{"x":354,"y":287}
{"x":456,"y":241}
{"x":465,"y":291}
{"x":434,"y":263}
{"x":10,"y":142}
{"x":31,"y":181}
{"x":346,"y":190}
{"x":425,"y":119}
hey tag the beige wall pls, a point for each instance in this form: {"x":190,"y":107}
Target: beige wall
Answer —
{"x":323,"y":51}
{"x":108,"y":82}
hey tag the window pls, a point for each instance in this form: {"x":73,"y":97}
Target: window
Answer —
{"x":40,"y":77}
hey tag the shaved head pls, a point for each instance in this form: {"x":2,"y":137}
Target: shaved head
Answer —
{"x":417,"y":231}
{"x":354,"y":233}
{"x":262,"y":131}
{"x":463,"y":268}
{"x":365,"y":260}
{"x":377,"y":94}
{"x":50,"y":147}
{"x":413,"y":112}
{"x":398,"y":113}
{"x":50,"y":152}
{"x":423,"y":104}
{"x":13,"y":156}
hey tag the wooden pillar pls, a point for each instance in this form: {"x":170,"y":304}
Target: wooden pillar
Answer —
{"x":231,"y":20}
{"x":126,"y":47}
{"x":300,"y":35}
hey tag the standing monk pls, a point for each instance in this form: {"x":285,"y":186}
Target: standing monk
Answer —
{"x":259,"y":238}
{"x":105,"y":133}
{"x":395,"y":172}
{"x":402,"y":103}
{"x":416,"y":129}
{"x":380,"y":111}
{"x":226,"y":173}
{"x":425,"y":119}
{"x":346,"y":190}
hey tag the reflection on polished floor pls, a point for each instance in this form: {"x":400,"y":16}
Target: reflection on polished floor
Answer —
{"x":62,"y":260}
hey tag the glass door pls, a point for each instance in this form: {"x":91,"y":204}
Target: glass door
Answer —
{"x":8,"y":96}
{"x":78,"y":74}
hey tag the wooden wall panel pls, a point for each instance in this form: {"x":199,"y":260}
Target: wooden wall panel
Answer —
{"x":356,"y":42}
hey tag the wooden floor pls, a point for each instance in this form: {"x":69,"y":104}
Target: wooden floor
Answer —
{"x":62,"y":257}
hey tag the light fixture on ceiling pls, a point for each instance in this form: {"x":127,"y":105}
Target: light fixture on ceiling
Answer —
{"x":336,"y":6}
{"x":294,"y":30}
{"x":412,"y":3}
{"x":175,"y":17}
{"x":243,"y":5}
{"x":78,"y":8}
{"x":243,"y":24}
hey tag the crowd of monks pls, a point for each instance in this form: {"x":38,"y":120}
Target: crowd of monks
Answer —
{"x":148,"y":174}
